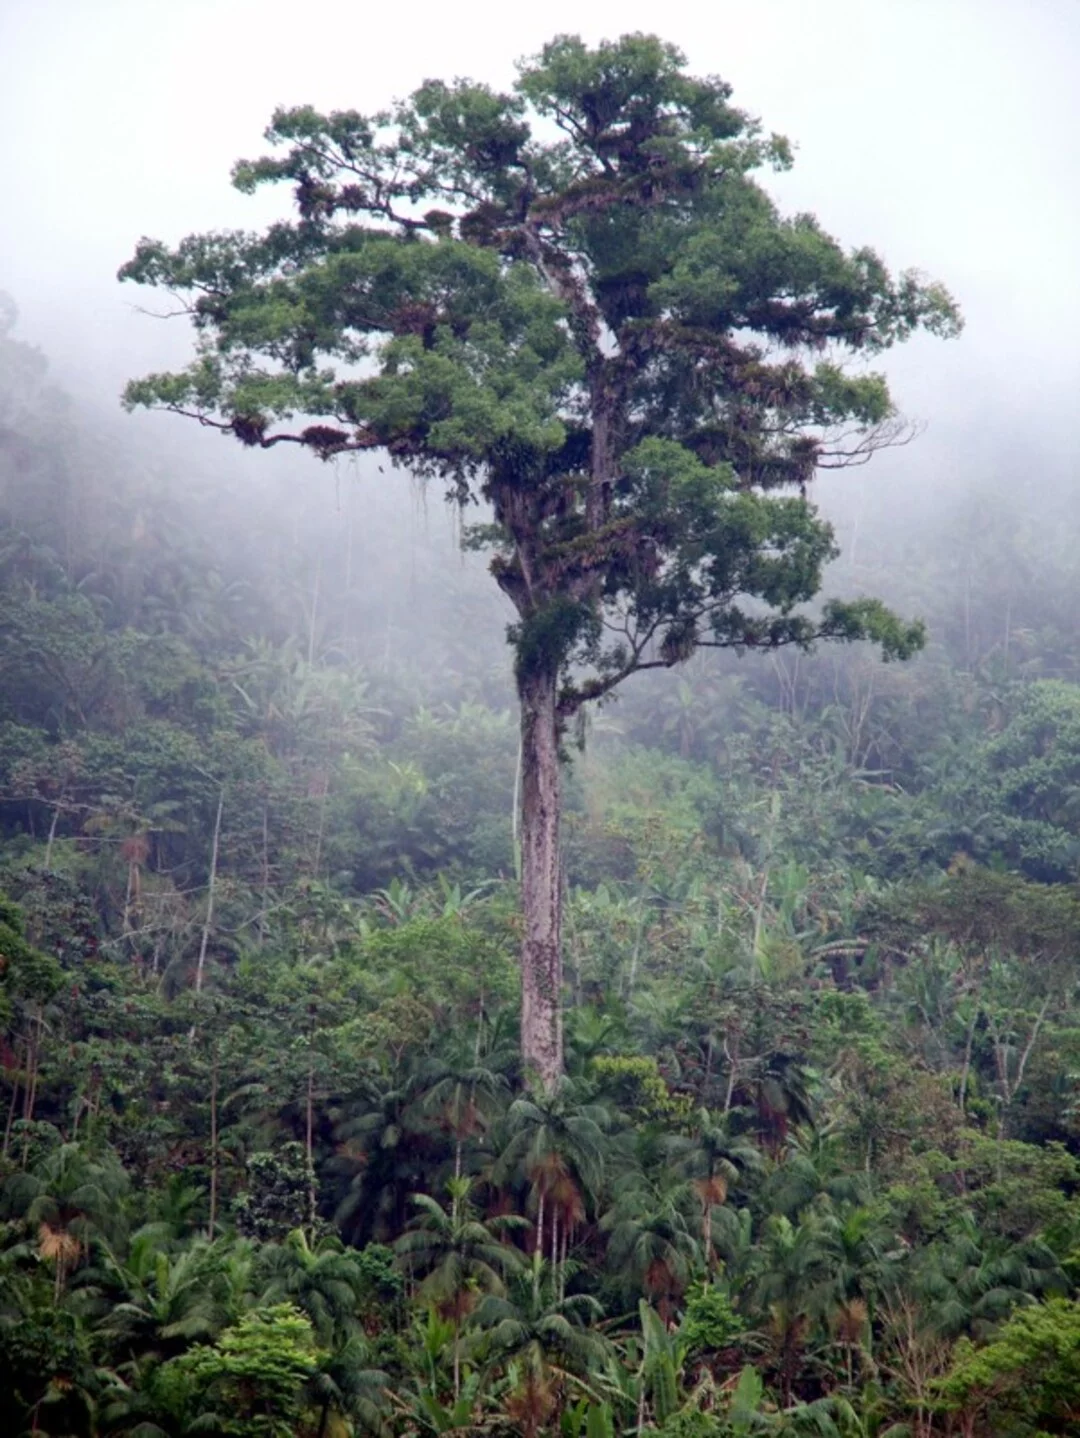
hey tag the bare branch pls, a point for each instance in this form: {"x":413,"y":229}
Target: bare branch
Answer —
{"x":891,"y":433}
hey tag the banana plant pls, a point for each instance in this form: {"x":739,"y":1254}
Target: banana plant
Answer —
{"x":660,"y":1370}
{"x":588,"y":1419}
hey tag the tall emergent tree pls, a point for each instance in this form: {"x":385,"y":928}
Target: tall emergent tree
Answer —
{"x":575,"y":304}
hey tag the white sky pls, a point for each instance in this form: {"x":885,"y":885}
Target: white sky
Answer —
{"x":944,"y":132}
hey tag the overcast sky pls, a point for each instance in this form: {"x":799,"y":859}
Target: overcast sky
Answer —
{"x":944,"y":132}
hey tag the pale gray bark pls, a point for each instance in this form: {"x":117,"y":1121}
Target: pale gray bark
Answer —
{"x":209,"y":921}
{"x":52,"y":831}
{"x":541,"y":950}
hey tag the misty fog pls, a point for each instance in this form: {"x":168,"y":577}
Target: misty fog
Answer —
{"x":393,"y":1038}
{"x":944,"y":134}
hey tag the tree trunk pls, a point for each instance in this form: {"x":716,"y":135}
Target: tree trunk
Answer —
{"x":212,"y":1225}
{"x":965,"y":1073}
{"x":200,"y":968}
{"x":541,"y":950}
{"x":15,"y":1081}
{"x":32,"y":1062}
{"x":309,"y":1146}
{"x":52,"y":831}
{"x":265,"y":902}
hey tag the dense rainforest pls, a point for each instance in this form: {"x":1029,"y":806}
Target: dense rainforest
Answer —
{"x":270,"y":1164}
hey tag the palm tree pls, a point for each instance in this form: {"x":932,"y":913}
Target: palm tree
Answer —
{"x":557,"y":1146}
{"x":238,"y":1278}
{"x":69,"y":1198}
{"x":347,"y":1381}
{"x":461,"y":1257}
{"x":543,"y":1342}
{"x":325,"y":1282}
{"x":389,"y":1156}
{"x":462,"y":1094}
{"x":710,"y":1159}
{"x":790,"y":1287}
{"x":168,"y":1301}
{"x":814,"y":1165}
{"x":132,"y":1402}
{"x":175,"y":1207}
{"x":45,"y":1355}
{"x":854,"y":1247}
{"x":423,"y":1399}
{"x":969,"y":1282}
{"x":652,"y":1244}
{"x":784,"y":1099}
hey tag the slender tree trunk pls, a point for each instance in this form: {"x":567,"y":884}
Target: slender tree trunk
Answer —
{"x":309,"y":1115}
{"x":965,"y":1073}
{"x":732,"y":1066}
{"x":1033,"y":1038}
{"x":314,"y":614}
{"x":33,"y":1058}
{"x":208,"y":924}
{"x":265,"y":901}
{"x":52,"y":831}
{"x":538,"y":1252}
{"x":631,"y":981}
{"x":212,"y":1225}
{"x":322,"y":827}
{"x":15,"y":1084}
{"x":541,"y":950}
{"x":309,"y":1146}
{"x":126,"y":921}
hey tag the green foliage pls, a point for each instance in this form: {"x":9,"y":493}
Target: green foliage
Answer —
{"x":710,"y":1322}
{"x":633,"y":482}
{"x":275,"y":1200}
{"x":252,"y":1382}
{"x":1026,"y":1380}
{"x":636,"y":1084}
{"x":266,"y":1160}
{"x":26,"y":974}
{"x":44,"y":1352}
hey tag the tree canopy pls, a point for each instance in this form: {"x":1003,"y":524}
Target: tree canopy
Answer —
{"x":575,"y":302}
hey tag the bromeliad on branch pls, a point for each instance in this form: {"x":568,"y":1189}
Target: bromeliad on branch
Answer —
{"x":573,"y":303}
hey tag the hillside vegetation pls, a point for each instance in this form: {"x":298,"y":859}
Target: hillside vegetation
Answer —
{"x":268,"y":1164}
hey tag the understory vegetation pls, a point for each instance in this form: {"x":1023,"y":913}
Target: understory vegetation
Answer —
{"x":268,"y":1166}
